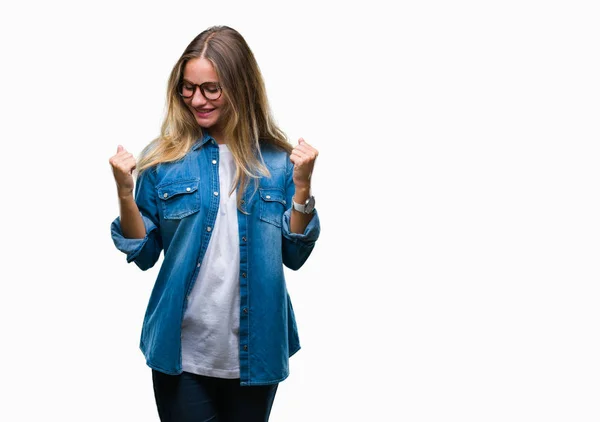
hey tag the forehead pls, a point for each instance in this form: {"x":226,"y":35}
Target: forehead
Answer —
{"x":200,"y":70}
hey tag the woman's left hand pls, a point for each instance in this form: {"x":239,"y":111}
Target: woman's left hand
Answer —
{"x":303,"y":157}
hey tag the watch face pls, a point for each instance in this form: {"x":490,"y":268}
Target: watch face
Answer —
{"x":310,"y":205}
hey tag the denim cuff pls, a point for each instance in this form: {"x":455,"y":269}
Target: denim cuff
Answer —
{"x":311,"y":233}
{"x":131,"y":247}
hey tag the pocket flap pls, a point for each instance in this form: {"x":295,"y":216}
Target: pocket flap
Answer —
{"x":170,"y":190}
{"x":272,"y":195}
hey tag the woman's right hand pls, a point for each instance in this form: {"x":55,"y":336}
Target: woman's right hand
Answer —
{"x":123,"y":164}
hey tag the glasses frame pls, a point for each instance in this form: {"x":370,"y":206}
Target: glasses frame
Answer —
{"x":201,"y":87}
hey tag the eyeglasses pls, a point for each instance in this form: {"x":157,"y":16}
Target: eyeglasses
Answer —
{"x":210,"y":90}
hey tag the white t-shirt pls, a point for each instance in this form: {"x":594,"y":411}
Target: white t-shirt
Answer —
{"x":210,"y":328}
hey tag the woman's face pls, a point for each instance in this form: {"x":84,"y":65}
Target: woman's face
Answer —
{"x":207,"y":112}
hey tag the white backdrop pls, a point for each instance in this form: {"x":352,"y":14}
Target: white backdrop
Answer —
{"x":456,"y":277}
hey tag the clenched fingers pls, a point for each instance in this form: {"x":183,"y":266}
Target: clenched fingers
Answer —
{"x":303,"y":157}
{"x":123,"y":163}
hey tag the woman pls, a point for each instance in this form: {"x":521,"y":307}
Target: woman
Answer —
{"x":227,"y":198}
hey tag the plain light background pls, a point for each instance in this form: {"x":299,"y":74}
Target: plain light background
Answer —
{"x":456,"y":277}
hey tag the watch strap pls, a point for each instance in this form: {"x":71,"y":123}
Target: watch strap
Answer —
{"x":305,"y":208}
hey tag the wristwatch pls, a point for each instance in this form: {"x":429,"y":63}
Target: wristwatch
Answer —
{"x":307,"y":207}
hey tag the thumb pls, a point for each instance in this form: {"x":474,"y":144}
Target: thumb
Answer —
{"x":301,"y":141}
{"x":120,"y":148}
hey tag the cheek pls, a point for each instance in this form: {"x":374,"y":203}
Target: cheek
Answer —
{"x":223,"y":108}
{"x":219,"y":109}
{"x":219,"y":103}
{"x":188,"y":105}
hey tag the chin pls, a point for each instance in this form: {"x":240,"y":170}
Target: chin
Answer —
{"x":207,"y":124}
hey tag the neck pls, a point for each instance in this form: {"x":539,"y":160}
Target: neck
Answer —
{"x":217,"y":134}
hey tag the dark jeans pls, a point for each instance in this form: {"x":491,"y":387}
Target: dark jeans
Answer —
{"x":189,"y":397}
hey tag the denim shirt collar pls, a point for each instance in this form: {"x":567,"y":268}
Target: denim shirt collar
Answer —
{"x":203,"y":140}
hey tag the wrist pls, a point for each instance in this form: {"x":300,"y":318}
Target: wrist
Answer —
{"x":125,"y":195}
{"x":302,"y":193}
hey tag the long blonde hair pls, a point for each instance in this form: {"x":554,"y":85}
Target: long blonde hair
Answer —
{"x":247,"y":116}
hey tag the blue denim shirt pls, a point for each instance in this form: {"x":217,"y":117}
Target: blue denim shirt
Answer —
{"x":178,"y":204}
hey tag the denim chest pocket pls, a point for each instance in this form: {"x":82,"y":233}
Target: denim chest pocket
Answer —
{"x":272,"y":205}
{"x":179,"y":199}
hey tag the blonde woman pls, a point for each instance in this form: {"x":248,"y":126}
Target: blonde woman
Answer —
{"x":228,"y":200}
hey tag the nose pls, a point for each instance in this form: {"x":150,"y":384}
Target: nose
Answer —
{"x":197,"y":98}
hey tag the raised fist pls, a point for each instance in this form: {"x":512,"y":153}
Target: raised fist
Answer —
{"x":123,"y":164}
{"x":303,"y":157}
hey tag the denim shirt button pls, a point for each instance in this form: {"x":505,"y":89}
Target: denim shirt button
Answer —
{"x":243,"y":238}
{"x":245,"y":347}
{"x":216,"y":193}
{"x":244,"y":275}
{"x":209,"y":228}
{"x":214,"y":161}
{"x":245,"y":310}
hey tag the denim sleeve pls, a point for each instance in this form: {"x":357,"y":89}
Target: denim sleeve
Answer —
{"x":144,"y":252}
{"x":297,"y":247}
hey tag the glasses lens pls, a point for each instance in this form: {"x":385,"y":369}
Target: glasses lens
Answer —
{"x":211,"y":90}
{"x":186,"y":90}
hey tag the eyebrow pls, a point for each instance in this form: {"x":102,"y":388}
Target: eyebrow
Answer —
{"x":192,"y":83}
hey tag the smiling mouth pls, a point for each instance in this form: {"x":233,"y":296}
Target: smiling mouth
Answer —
{"x":204,"y":111}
